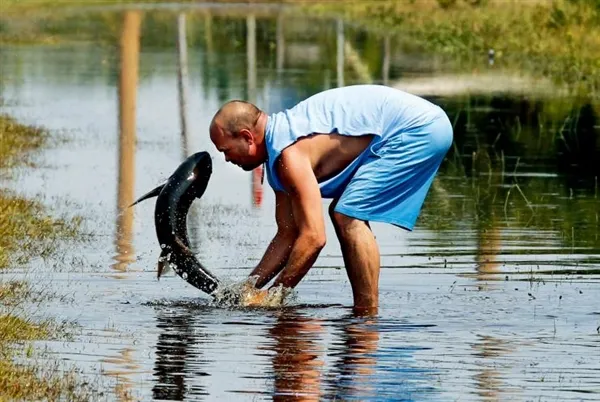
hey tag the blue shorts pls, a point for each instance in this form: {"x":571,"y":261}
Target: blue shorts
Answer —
{"x":391,"y":183}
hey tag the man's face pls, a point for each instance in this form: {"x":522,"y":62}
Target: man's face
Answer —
{"x":240,"y":151}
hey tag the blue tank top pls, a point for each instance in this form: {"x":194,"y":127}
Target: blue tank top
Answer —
{"x":353,"y":110}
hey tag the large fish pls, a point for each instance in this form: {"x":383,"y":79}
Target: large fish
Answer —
{"x":175,"y":197}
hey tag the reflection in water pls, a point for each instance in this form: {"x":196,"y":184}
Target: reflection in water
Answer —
{"x":128,"y":80}
{"x":355,"y":369}
{"x":369,"y":367}
{"x":128,"y":77}
{"x":182,"y":82}
{"x":178,"y":364}
{"x":257,"y":185}
{"x":208,"y":36}
{"x":527,"y":172}
{"x":489,"y":376}
{"x":385,"y":69}
{"x":257,"y":173}
{"x":256,"y":178}
{"x":489,"y":246}
{"x":489,"y":234}
{"x":280,"y":44}
{"x":126,"y":367}
{"x":362,"y":369}
{"x":251,"y":58}
{"x":340,"y":52}
{"x":297,"y":363}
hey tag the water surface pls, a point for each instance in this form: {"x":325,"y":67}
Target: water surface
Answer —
{"x":491,"y":297}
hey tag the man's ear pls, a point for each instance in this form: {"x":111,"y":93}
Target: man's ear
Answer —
{"x":247,"y":135}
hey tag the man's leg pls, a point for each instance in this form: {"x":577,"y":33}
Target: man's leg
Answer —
{"x":361,"y":257}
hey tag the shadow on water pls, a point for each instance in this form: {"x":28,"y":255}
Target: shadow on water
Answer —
{"x":516,"y":201}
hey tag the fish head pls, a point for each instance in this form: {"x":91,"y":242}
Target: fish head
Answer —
{"x":203,"y":162}
{"x":201,"y":172}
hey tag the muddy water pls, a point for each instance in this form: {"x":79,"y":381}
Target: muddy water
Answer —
{"x":494,"y":296}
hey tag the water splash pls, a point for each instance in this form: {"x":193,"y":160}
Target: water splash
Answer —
{"x":245,"y":293}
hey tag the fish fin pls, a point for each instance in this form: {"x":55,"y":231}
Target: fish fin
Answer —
{"x":186,"y":250}
{"x":163,"y":263}
{"x":149,"y":194}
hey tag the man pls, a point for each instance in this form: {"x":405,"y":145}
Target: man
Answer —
{"x":373,"y":149}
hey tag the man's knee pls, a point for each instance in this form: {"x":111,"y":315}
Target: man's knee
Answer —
{"x":332,"y":211}
{"x":344,"y":223}
{"x":336,"y":218}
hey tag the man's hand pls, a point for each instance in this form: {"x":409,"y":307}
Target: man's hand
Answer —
{"x":254,"y":297}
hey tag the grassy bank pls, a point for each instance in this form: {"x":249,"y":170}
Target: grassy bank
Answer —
{"x":559,"y":39}
{"x":32,"y":382}
{"x":26,"y":231}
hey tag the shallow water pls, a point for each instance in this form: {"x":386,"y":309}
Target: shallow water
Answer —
{"x":491,"y":297}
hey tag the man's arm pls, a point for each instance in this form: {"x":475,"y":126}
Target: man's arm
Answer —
{"x":298,"y":178}
{"x":279,"y":249}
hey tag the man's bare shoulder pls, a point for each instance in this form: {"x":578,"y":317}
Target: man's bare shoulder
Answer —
{"x":294,"y":169}
{"x":292,"y":154}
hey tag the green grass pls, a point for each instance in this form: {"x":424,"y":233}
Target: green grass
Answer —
{"x":17,"y":139}
{"x":12,"y":292}
{"x":44,"y":381}
{"x":27,"y":231}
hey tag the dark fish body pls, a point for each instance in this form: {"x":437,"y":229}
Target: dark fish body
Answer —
{"x":173,"y":202}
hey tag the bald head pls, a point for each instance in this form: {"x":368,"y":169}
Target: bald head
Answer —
{"x":238,"y":131}
{"x":234,"y":116}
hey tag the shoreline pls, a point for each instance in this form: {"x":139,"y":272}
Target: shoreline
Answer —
{"x":27,"y":231}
